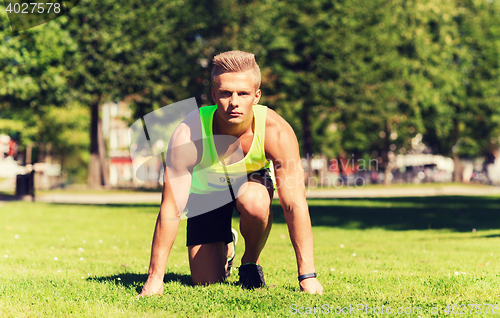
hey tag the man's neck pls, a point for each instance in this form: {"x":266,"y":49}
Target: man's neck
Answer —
{"x":223,"y":128}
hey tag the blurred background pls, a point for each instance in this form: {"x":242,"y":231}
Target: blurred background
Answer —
{"x":385,"y":92}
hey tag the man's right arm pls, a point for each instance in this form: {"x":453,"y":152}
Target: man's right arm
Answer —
{"x":181,"y":158}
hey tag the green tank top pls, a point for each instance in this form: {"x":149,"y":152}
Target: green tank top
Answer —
{"x":210,"y":175}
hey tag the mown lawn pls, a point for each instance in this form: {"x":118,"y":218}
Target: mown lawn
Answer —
{"x":408,"y":253}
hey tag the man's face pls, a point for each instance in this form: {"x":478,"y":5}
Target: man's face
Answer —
{"x":235,"y":94}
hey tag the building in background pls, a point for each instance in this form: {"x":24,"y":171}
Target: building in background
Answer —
{"x":493,"y":169}
{"x":47,"y":173}
{"x":9,"y":167}
{"x":115,"y":131}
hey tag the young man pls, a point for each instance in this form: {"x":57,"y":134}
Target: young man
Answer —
{"x":269,"y":147}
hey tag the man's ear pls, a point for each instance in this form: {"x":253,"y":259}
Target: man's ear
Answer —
{"x":257,"y":97}
{"x":213,"y":95}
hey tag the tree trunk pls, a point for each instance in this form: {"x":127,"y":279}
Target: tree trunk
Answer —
{"x":102,"y":155}
{"x":48,"y":153}
{"x":457,"y":169}
{"x":29,"y":151}
{"x":95,"y":180}
{"x":390,"y":165}
{"x":389,"y":160}
{"x":41,"y":152}
{"x":308,"y":143}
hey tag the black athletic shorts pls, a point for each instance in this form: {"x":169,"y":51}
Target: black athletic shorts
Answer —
{"x":213,"y":226}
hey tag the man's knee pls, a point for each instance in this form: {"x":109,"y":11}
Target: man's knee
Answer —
{"x":255,"y":205}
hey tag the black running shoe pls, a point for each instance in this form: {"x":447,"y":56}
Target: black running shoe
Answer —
{"x":251,"y":276}
{"x":229,"y":266}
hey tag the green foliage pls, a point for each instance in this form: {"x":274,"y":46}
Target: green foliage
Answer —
{"x":32,"y":72}
{"x":350,"y":76}
{"x":132,"y":52}
{"x":34,"y":93}
{"x":67,"y":129}
{"x":480,"y":27}
{"x":362,"y":77}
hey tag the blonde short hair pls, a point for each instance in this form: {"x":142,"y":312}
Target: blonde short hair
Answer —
{"x":236,"y":61}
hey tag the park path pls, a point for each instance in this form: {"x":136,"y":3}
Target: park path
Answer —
{"x":370,"y":192}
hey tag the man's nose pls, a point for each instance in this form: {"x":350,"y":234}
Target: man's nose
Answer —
{"x":234,"y":100}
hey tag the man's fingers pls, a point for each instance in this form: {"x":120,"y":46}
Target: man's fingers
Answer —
{"x":312,"y":286}
{"x":320,"y":291}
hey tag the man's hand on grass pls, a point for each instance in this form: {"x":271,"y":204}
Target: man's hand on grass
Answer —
{"x":311,"y":285}
{"x":153,"y":286}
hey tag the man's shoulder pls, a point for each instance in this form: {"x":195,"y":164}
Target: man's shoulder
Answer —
{"x":185,"y":143}
{"x":276,"y":125}
{"x":189,"y":129}
{"x":280,"y":137}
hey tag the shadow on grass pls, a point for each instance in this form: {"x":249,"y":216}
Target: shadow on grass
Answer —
{"x":4,"y":196}
{"x":137,"y":281}
{"x":488,"y":236}
{"x":131,"y":280}
{"x":456,"y":213}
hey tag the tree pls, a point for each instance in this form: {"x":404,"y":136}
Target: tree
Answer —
{"x":462,"y":119}
{"x":132,"y":52}
{"x":33,"y":84}
{"x":480,"y":33}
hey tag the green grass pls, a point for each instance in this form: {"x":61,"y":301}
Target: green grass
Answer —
{"x":407,"y":251}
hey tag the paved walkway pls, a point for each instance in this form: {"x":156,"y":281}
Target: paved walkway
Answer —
{"x":370,"y":192}
{"x":114,"y":198}
{"x":403,"y":191}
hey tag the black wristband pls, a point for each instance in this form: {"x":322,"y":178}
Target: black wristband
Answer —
{"x":310,"y":275}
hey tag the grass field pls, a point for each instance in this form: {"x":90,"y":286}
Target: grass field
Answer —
{"x":408,"y":253}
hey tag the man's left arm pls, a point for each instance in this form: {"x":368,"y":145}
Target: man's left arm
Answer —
{"x":283,"y":150}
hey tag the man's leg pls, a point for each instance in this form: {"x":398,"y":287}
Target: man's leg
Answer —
{"x":207,"y":237}
{"x":207,"y":262}
{"x":254,"y":205}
